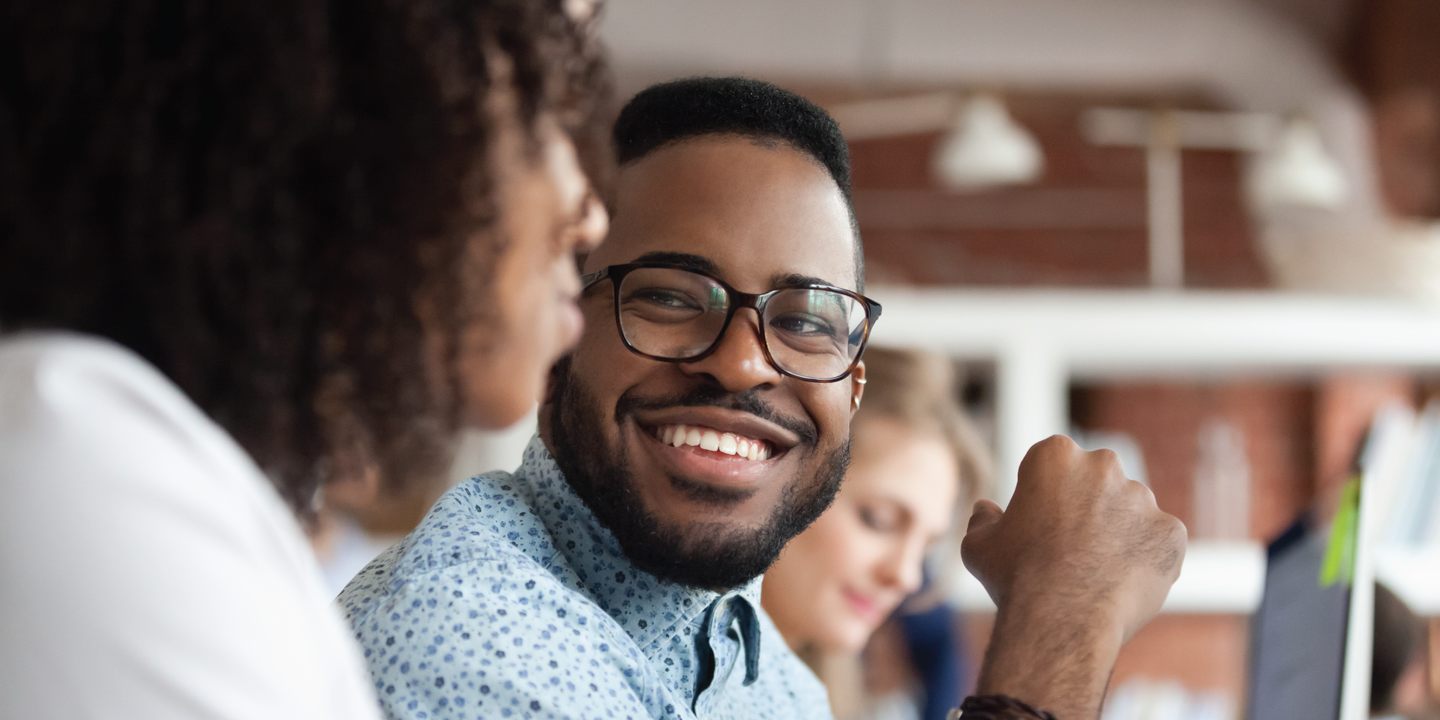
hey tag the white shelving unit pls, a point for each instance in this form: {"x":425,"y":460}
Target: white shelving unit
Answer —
{"x":1040,"y":340}
{"x":1217,"y":578}
{"x":1413,"y":575}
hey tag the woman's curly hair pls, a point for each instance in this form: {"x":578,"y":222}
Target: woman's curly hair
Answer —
{"x":251,"y":193}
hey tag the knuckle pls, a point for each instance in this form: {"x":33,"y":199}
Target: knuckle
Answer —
{"x":1179,"y":534}
{"x":1055,"y":445}
{"x":1171,"y":544}
{"x":1140,"y":492}
{"x":1178,"y":551}
{"x":1164,"y":544}
{"x":1058,"y":442}
{"x":1172,"y":561}
{"x":1105,"y":456}
{"x":1107,"y":462}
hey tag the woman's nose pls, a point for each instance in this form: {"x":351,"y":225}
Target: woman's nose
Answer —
{"x":901,"y":569}
{"x":594,"y":225}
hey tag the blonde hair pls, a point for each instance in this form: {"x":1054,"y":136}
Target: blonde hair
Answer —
{"x":919,"y":390}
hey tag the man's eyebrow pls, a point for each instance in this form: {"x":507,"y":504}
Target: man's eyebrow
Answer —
{"x":687,"y":260}
{"x":794,"y":280}
{"x":708,"y":266}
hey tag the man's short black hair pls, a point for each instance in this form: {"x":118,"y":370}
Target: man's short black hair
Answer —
{"x":670,"y":112}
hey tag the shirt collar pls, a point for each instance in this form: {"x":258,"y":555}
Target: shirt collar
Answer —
{"x":651,"y":611}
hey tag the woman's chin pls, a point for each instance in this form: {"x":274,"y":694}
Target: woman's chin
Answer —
{"x":848,"y":640}
{"x":495,"y":406}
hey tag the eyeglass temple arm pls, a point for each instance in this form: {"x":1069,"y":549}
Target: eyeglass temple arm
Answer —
{"x":590,"y":279}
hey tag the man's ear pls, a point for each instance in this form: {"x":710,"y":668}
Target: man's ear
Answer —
{"x":553,"y":380}
{"x":550,"y":395}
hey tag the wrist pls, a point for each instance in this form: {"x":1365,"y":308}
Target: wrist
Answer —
{"x":997,"y":707}
{"x":1095,"y":618}
{"x":1052,"y":652}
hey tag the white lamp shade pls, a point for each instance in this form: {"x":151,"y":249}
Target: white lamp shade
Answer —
{"x":1297,"y":171}
{"x":986,"y":148}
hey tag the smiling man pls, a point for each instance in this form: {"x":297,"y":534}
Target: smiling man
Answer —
{"x":714,"y":425}
{"x":702,"y":422}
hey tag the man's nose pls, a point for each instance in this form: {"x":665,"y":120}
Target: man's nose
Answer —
{"x":738,"y":363}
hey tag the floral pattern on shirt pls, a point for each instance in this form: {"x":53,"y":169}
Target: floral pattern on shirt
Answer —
{"x":512,"y":601}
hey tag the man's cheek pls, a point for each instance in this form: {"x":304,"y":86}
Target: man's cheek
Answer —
{"x":832,"y":418}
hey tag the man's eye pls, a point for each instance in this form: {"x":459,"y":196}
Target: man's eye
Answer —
{"x":664,"y":298}
{"x":800,"y":324}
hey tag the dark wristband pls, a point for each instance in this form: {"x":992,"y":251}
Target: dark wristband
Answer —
{"x":996,"y":707}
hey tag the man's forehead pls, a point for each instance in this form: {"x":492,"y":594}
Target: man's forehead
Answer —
{"x":747,"y":213}
{"x":702,"y":264}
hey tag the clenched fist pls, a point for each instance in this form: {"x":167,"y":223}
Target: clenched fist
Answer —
{"x":1076,"y":565}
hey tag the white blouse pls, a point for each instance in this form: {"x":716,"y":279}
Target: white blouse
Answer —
{"x":147,"y":568}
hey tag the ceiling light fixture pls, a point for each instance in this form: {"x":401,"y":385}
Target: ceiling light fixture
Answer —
{"x":986,"y":148}
{"x":1296,"y":171}
{"x":1293,"y":168}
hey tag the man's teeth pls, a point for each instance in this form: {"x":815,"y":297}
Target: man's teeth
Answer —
{"x":714,"y":441}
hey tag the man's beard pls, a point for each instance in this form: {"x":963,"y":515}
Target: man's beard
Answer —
{"x":708,"y":556}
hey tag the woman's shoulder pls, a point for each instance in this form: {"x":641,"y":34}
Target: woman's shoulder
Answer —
{"x":90,"y":431}
{"x":93,"y":427}
{"x":27,"y":357}
{"x":59,"y":390}
{"x":71,"y":400}
{"x":129,"y":520}
{"x":52,"y":375}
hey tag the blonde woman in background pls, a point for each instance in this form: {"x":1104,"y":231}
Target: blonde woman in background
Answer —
{"x":915,"y":460}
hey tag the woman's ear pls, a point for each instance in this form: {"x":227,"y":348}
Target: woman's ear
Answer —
{"x":353,"y":484}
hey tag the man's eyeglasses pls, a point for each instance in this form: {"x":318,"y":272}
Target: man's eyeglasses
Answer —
{"x":672,"y":313}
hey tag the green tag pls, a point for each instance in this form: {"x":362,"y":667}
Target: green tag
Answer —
{"x":1339,"y":562}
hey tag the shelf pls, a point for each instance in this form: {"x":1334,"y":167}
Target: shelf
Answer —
{"x":1216,"y":578}
{"x":1041,"y":339}
{"x":1229,"y":577}
{"x":1413,"y":575}
{"x":1102,"y":333}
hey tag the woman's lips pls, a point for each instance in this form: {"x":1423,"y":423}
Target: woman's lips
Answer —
{"x":863,"y":605}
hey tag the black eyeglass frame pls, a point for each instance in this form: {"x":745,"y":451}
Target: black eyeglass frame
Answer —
{"x":737,"y":300}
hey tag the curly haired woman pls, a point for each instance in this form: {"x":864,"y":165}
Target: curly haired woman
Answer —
{"x":249,"y":248}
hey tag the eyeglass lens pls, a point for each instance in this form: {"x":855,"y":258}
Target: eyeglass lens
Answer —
{"x":677,"y":314}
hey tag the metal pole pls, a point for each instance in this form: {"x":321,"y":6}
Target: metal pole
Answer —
{"x":1162,"y":165}
{"x":1032,"y":383}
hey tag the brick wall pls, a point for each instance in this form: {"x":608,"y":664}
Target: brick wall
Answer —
{"x":1083,"y":224}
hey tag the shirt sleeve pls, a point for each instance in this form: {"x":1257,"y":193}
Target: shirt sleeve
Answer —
{"x":481,"y":640}
{"x":150,"y":571}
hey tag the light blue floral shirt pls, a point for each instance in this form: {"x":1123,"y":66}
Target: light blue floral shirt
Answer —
{"x":512,"y":601}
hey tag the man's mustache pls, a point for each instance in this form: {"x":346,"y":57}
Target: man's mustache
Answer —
{"x":711,"y":394}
